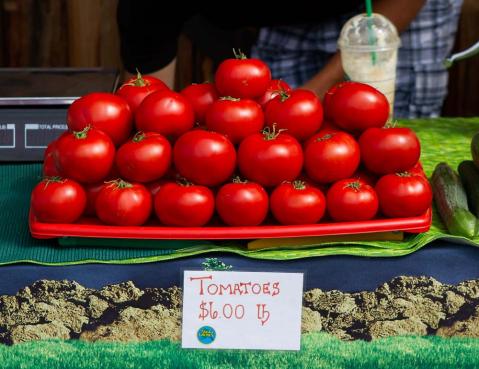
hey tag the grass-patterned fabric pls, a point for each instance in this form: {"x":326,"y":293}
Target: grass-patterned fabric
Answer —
{"x":318,"y":350}
{"x":445,"y":139}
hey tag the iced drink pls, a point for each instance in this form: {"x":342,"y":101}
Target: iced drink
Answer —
{"x":369,"y":52}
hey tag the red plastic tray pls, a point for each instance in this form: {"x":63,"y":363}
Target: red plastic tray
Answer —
{"x":90,"y":227}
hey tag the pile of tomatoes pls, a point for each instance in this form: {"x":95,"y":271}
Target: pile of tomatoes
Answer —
{"x":247,"y":148}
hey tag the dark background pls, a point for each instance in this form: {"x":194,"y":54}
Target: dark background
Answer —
{"x":83,"y":33}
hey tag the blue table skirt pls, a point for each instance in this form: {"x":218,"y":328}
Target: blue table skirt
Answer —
{"x":447,"y":262}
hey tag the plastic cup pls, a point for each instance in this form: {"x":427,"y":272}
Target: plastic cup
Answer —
{"x":369,"y":48}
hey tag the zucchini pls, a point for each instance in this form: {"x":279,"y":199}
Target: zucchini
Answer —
{"x":451,"y":202}
{"x":475,"y":149}
{"x":470,"y":180}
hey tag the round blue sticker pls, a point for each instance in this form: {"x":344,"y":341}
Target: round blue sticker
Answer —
{"x":206,"y":334}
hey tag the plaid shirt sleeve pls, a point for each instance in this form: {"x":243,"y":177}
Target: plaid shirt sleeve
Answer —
{"x":297,"y":53}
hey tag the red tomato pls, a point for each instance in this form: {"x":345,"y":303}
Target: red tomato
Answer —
{"x":137,"y":88}
{"x":204,"y":158}
{"x":154,"y":187}
{"x":165,"y":112}
{"x":276,"y":86}
{"x":184,"y":205}
{"x":351,"y":200}
{"x":331,"y":157}
{"x":389,"y":150}
{"x":92,"y":191}
{"x":149,"y":80}
{"x":300,"y":112}
{"x":242,"y":77}
{"x":356,"y":106}
{"x":297,"y":203}
{"x":270,"y":158}
{"x":327,"y":100}
{"x":58,"y":200}
{"x":145,"y":158}
{"x":123,"y":204}
{"x":86,"y":156}
{"x":417,"y":170}
{"x":49,"y":167}
{"x":242,"y":203}
{"x":235,"y":118}
{"x":201,"y":97}
{"x":107,"y":112}
{"x":50,"y":149}
{"x":403,"y":195}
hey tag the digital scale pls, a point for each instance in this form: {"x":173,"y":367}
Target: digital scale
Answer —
{"x":34,"y":103}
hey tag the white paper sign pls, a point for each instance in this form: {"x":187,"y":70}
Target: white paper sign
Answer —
{"x":242,"y":310}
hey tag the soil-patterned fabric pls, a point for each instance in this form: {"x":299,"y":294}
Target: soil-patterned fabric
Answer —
{"x":123,"y":312}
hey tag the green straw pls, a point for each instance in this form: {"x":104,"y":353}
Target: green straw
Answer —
{"x":372,"y":39}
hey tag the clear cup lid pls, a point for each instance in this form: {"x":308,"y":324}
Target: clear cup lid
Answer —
{"x":365,"y":33}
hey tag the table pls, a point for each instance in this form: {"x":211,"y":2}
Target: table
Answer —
{"x":429,"y":290}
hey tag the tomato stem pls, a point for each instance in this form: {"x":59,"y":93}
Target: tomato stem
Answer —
{"x":299,"y":185}
{"x":239,"y":55}
{"x":237,"y":179}
{"x":355,"y":185}
{"x":53,"y":179}
{"x":229,"y":98}
{"x":403,"y":174}
{"x":182,"y":181}
{"x":284,"y":95}
{"x":139,"y":136}
{"x":81,"y":135}
{"x":391,"y":124}
{"x":281,"y":91}
{"x":327,"y":136}
{"x":271,"y":133}
{"x":119,"y":183}
{"x":139,"y":81}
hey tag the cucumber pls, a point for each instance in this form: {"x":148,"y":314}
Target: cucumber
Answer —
{"x":475,"y":149}
{"x":470,"y":180}
{"x":451,"y":202}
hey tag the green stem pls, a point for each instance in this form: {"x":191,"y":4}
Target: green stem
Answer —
{"x":182,"y":181}
{"x":326,"y":137}
{"x":271,"y":133}
{"x":81,"y":135}
{"x":239,"y":55}
{"x":54,"y":179}
{"x":230,"y":98}
{"x":238,"y":179}
{"x":139,"y":136}
{"x":355,"y":185}
{"x":299,"y":185}
{"x":284,"y":95}
{"x":119,"y":183}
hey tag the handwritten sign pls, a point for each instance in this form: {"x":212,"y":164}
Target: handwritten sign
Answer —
{"x":242,"y":310}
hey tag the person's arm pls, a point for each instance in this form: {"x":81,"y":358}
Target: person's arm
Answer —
{"x":400,"y":13}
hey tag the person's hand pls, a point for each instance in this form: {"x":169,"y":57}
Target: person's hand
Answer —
{"x":319,"y":89}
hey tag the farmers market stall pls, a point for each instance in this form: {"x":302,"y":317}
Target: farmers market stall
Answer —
{"x":224,"y":222}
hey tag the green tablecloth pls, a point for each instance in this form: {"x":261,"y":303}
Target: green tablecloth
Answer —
{"x":442,"y":140}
